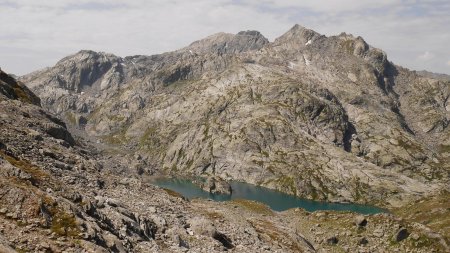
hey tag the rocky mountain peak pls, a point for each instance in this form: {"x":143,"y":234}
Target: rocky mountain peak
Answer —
{"x":78,"y":71}
{"x":229,"y":43}
{"x":88,"y":54}
{"x":297,"y":34}
{"x":250,"y":33}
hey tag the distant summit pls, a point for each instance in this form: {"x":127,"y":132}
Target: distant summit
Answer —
{"x":230,"y":43}
{"x":439,"y":76}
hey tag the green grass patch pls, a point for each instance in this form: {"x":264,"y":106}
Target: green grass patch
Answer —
{"x":117,"y":137}
{"x":444,"y":149}
{"x":253,"y":206}
{"x":287,"y":184}
{"x":22,"y":95}
{"x":36,"y":173}
{"x":64,"y":224}
{"x":70,"y":117}
{"x":173,"y":193}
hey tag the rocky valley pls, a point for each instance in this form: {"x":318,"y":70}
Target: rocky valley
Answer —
{"x":322,"y":118}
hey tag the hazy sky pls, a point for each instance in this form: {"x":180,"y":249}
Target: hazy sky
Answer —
{"x":37,"y":33}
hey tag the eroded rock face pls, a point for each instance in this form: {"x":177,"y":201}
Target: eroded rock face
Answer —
{"x":326,"y":118}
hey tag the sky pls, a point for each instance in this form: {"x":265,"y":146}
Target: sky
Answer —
{"x":36,"y":34}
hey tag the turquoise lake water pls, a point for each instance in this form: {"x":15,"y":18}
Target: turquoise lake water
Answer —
{"x":276,"y":200}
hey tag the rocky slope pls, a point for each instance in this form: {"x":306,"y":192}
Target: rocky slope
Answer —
{"x":60,"y":194}
{"x":321,"y":117}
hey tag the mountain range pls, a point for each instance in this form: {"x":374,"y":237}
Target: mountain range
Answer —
{"x":323,"y":118}
{"x":326,"y":118}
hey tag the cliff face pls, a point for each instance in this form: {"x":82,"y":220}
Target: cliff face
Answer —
{"x":321,"y":117}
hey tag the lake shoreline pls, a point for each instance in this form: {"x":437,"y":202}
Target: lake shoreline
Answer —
{"x":189,"y":188}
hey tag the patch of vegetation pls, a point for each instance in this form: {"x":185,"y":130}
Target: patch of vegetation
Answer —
{"x":22,"y":95}
{"x":189,"y":163}
{"x":265,"y":153}
{"x":287,"y":183}
{"x":19,"y":250}
{"x":95,"y":112}
{"x":115,"y":117}
{"x":258,"y":97}
{"x":149,"y":137}
{"x":271,"y":169}
{"x":173,"y":193}
{"x":253,"y":206}
{"x":259,"y":163}
{"x":65,"y":224}
{"x":423,"y":242}
{"x":313,"y":193}
{"x":174,"y":168}
{"x":347,"y":45}
{"x":176,"y":86}
{"x":358,"y":193}
{"x":213,"y":215}
{"x":267,"y":228}
{"x":323,"y":188}
{"x":181,"y":154}
{"x":360,"y":230}
{"x":70,"y":117}
{"x":279,"y":104}
{"x":62,"y":223}
{"x":116,"y":138}
{"x":444,"y":148}
{"x":434,"y":211}
{"x":409,"y":146}
{"x":36,"y":173}
{"x":21,"y":223}
{"x":206,"y":131}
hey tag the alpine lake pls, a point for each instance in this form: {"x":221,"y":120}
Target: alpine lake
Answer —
{"x":277,"y":201}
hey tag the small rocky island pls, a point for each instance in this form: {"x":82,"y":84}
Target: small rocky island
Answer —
{"x":216,"y":185}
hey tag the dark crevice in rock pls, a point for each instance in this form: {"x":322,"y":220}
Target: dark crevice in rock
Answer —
{"x":181,"y":73}
{"x":88,"y":76}
{"x":226,"y":242}
{"x":53,"y":119}
{"x":61,"y":134}
{"x":439,"y":126}
{"x":381,"y":83}
{"x":389,"y":74}
{"x":401,"y":119}
{"x":314,"y":110}
{"x":309,"y":244}
{"x":349,"y":132}
{"x":46,"y":214}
